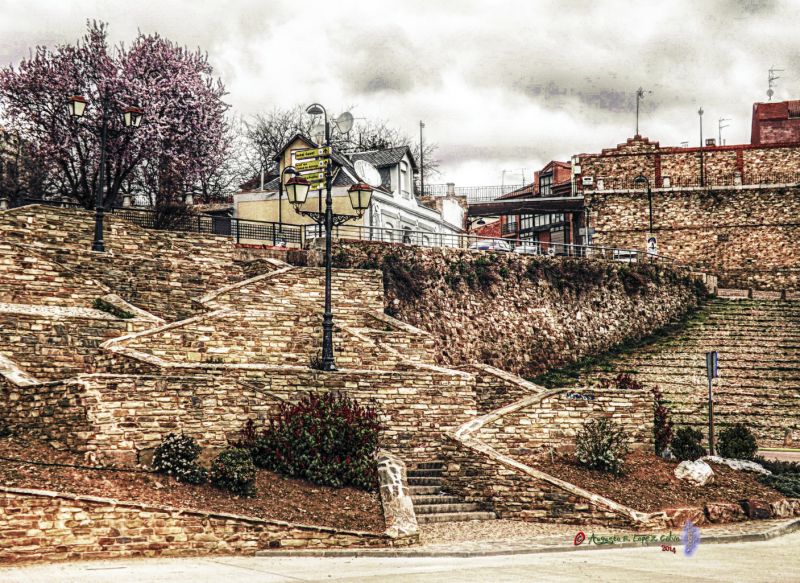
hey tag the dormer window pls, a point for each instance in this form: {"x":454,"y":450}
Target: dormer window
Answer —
{"x":405,"y":179}
{"x":545,"y":184}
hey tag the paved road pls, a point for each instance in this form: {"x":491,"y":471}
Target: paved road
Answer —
{"x":769,"y":561}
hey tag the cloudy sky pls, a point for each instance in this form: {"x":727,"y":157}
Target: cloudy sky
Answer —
{"x":501,"y":85}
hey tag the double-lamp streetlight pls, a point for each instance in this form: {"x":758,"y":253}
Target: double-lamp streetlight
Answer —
{"x":131,"y":117}
{"x":360,"y":195}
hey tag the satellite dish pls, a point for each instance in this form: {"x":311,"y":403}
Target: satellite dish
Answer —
{"x":368,"y":173}
{"x":345,"y":122}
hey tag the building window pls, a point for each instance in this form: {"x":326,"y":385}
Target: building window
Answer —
{"x":545,"y":184}
{"x":404,"y":189}
{"x":526,"y":222}
{"x":407,"y":235}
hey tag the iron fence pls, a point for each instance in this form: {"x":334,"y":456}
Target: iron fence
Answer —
{"x":471,"y":193}
{"x":286,"y":234}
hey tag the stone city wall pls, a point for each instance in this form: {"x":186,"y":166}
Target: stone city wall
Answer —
{"x":37,"y":525}
{"x":521,"y":314}
{"x":747,"y":236}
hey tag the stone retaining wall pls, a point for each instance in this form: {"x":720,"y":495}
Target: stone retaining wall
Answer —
{"x":121,"y":416}
{"x":38,"y":525}
{"x":521,"y":314}
{"x":485,"y":459}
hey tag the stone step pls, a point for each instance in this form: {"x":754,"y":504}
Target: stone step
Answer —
{"x":455,"y":517}
{"x":455,"y":508}
{"x":424,"y":481}
{"x":434,"y":465}
{"x":425,"y":473}
{"x":425,"y":499}
{"x":424,"y":490}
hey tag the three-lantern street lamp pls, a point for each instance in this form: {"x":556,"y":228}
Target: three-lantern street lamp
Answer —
{"x":131,"y":117}
{"x":360,"y":195}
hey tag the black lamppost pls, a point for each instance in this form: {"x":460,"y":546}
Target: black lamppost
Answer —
{"x":131,"y":118}
{"x":287,"y":170}
{"x":297,"y":189}
{"x":642,"y":178}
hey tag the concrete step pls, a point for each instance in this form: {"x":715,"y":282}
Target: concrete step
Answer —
{"x":456,"y":508}
{"x":426,"y":499}
{"x":455,"y":517}
{"x":424,"y":490}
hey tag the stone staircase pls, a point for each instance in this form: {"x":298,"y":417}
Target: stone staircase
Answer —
{"x":759,"y":350}
{"x":431,"y":504}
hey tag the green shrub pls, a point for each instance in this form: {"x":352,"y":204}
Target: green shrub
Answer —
{"x":602,"y":445}
{"x":176,"y":456}
{"x":777,"y":466}
{"x":327,"y":439}
{"x":233,"y":470}
{"x":786,"y":484}
{"x":737,"y":442}
{"x":686,"y":444}
{"x":662,"y":424}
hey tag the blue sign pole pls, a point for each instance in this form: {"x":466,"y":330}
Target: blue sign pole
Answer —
{"x":712,"y":371}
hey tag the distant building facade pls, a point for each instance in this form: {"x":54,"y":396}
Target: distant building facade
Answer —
{"x":395,"y":215}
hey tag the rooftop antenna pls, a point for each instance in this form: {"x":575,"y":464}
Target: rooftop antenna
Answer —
{"x":722,"y":126}
{"x":639,"y":96}
{"x":771,"y":80}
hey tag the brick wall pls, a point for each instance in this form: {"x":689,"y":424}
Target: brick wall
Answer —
{"x":39,"y":525}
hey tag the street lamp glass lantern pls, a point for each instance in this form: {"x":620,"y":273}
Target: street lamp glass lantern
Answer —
{"x":641,"y":179}
{"x":297,"y":190}
{"x":360,"y":196}
{"x":77,"y":105}
{"x":132,"y":117}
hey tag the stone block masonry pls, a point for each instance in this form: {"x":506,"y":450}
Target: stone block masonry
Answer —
{"x":522,"y":314}
{"x":483,"y":458}
{"x":38,"y":525}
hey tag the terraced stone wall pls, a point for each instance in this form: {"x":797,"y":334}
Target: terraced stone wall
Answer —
{"x":39,"y":526}
{"x":52,"y":345}
{"x":160,"y":272}
{"x":130,"y":414}
{"x":521,"y":314}
{"x":555,"y":420}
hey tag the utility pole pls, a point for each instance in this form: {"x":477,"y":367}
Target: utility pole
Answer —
{"x":702,"y":162}
{"x":421,"y":160}
{"x":771,"y":78}
{"x":722,"y":126}
{"x":639,"y":96}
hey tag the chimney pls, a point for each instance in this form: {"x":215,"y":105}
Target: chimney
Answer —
{"x":711,"y":141}
{"x":451,"y":189}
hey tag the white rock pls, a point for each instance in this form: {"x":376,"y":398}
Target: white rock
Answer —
{"x":741,"y":465}
{"x":698,"y":472}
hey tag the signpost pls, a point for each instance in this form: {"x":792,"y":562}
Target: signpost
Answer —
{"x":712,"y":371}
{"x":652,"y":245}
{"x":312,"y":153}
{"x":312,"y":164}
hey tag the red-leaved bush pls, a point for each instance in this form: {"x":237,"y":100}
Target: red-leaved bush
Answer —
{"x":327,"y":439}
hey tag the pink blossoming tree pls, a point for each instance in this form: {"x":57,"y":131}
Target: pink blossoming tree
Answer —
{"x":182,"y":141}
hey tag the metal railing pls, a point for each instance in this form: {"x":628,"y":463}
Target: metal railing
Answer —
{"x":471,"y":193}
{"x":286,"y":234}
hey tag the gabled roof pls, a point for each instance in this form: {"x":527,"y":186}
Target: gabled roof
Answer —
{"x":385,"y":157}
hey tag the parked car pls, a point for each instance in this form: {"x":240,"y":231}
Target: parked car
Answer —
{"x":528,"y":249}
{"x":490,"y":245}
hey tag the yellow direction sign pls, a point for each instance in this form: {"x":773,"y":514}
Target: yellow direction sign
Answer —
{"x":316,"y":185}
{"x":313,"y":153}
{"x":312,"y":164}
{"x":314,"y":176}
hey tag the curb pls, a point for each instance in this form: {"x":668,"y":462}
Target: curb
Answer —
{"x":774,"y":532}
